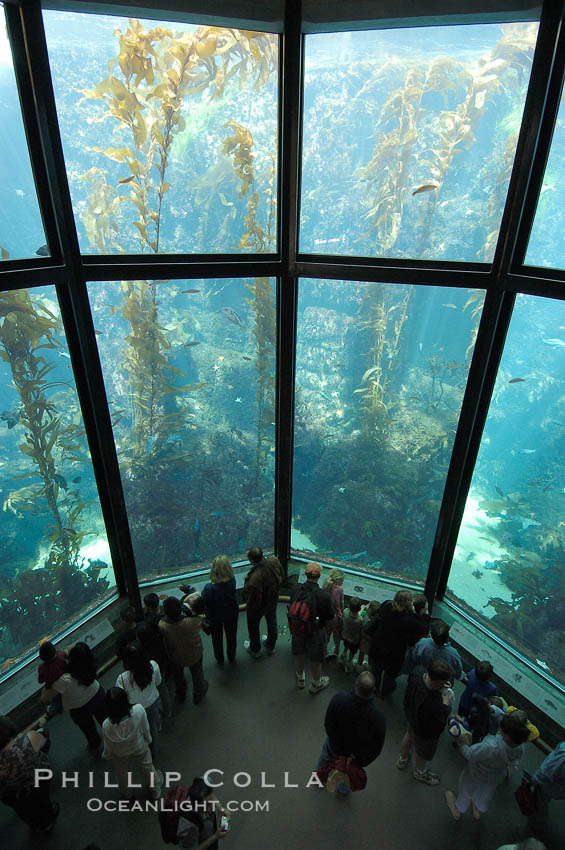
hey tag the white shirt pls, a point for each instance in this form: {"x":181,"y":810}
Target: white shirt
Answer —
{"x":73,"y":693}
{"x":131,"y":736}
{"x":145,"y":697}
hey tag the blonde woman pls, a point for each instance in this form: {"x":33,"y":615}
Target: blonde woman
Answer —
{"x":334,"y":586}
{"x":393,"y":630}
{"x":222,"y":608}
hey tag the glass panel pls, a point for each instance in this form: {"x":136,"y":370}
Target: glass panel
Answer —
{"x":189,"y":370}
{"x":21,"y":228}
{"x":170,"y":134}
{"x":55,"y":563}
{"x":409,"y":139}
{"x":380,"y":375}
{"x":508,"y":564}
{"x":546,"y":246}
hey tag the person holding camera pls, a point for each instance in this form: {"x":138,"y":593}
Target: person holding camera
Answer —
{"x":199,"y":829}
{"x":181,"y":628}
{"x":20,"y":756}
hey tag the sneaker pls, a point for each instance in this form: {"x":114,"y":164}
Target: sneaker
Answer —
{"x":348,"y":667}
{"x":476,"y":812}
{"x":402,"y":762}
{"x":316,"y":687}
{"x":247,"y":647}
{"x":450,"y":800}
{"x":427,"y":776}
{"x":264,"y":642}
{"x":300,"y":681}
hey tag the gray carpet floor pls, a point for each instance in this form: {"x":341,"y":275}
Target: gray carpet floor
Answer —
{"x":255,"y":721}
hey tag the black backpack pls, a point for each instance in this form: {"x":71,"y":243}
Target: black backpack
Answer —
{"x":302,"y":613}
{"x":171,"y":812}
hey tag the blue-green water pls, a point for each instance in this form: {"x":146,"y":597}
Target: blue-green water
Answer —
{"x":408,"y":145}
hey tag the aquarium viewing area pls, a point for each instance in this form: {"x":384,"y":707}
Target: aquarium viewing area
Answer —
{"x":287,"y":274}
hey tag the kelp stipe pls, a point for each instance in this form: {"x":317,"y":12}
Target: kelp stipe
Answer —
{"x":263,"y":306}
{"x":29,"y":331}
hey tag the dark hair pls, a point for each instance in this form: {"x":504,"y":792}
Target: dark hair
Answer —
{"x":198,"y":606}
{"x":118,"y":705}
{"x":7,"y":730}
{"x":81,"y":664}
{"x":47,"y":651}
{"x":197,"y":793}
{"x":419,"y":603}
{"x":136,"y":661}
{"x":128,"y":614}
{"x":151,"y":600}
{"x":440,"y":632}
{"x":172,"y":608}
{"x":439,"y":670}
{"x":483,"y":671}
{"x":255,"y":554}
{"x":515,"y":729}
{"x":355,"y":604}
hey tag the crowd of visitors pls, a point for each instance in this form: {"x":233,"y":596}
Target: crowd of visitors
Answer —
{"x":396,"y":636}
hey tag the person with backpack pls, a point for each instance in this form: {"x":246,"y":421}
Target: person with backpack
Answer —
{"x":309,"y":610}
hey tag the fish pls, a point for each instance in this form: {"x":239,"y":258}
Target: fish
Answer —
{"x":477,"y":574}
{"x":234,"y":317}
{"x":189,"y":344}
{"x":547,"y":486}
{"x":470,"y":556}
{"x":217,"y":513}
{"x":245,"y":357}
{"x":341,"y":490}
{"x":516,"y":380}
{"x":427,"y":187}
{"x":452,"y":306}
{"x":554,"y":343}
{"x":43,"y":251}
{"x":11,"y":417}
{"x":355,"y":557}
{"x":61,"y":481}
{"x":76,"y":479}
{"x":523,"y":452}
{"x":190,"y":291}
{"x":123,"y":180}
{"x":500,"y":493}
{"x":238,"y":400}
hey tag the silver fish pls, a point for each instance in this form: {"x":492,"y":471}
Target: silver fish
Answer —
{"x":554,"y":343}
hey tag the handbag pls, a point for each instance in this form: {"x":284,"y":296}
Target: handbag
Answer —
{"x":527,"y":797}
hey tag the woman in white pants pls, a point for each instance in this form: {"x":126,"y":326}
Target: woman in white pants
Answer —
{"x":127,"y":738}
{"x":487,"y":766}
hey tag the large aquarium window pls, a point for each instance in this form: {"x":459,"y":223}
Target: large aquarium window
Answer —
{"x":170,"y":134}
{"x":409,"y":138}
{"x":21,"y":228}
{"x":509,"y":560}
{"x":380,"y":375}
{"x":546,"y":246}
{"x":189,"y":371}
{"x":55,"y":562}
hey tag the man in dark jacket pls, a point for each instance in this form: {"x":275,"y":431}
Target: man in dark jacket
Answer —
{"x":427,"y":704}
{"x":314,"y":644}
{"x":261,"y":594}
{"x":354,"y":725}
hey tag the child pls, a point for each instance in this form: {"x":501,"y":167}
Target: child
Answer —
{"x":510,"y":711}
{"x":334,"y":586}
{"x":479,"y":684}
{"x":487,"y":766}
{"x":421,"y":612}
{"x":351,"y":633}
{"x":53,"y":667}
{"x":367,"y":613}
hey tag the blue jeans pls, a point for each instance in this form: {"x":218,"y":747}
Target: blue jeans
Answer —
{"x":253,"y":623}
{"x":326,"y":756}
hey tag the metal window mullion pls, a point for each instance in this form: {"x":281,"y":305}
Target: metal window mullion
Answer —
{"x":525,"y":182}
{"x":75,"y":309}
{"x":488,"y":350}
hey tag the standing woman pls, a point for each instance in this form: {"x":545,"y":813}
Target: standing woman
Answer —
{"x":140,"y":681}
{"x":82,"y":693}
{"x":126,"y":740}
{"x":334,"y":586}
{"x":222,"y":608}
{"x":20,"y":756}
